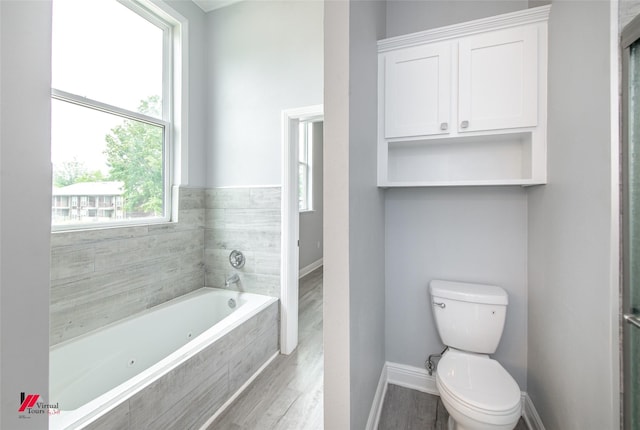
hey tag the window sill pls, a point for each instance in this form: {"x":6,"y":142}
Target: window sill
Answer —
{"x":80,"y":228}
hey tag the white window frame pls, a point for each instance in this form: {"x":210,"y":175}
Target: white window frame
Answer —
{"x":306,"y":138}
{"x":174,"y":109}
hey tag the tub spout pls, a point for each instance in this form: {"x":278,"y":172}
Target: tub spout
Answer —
{"x":232,"y":279}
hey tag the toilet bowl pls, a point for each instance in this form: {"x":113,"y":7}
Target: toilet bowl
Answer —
{"x":478,"y":392}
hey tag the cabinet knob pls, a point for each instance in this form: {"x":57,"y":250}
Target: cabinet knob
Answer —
{"x":444,"y":126}
{"x":464,"y":124}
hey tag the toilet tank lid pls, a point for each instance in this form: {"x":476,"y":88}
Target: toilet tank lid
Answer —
{"x":467,"y":292}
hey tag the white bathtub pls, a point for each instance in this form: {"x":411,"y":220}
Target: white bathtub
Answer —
{"x":97,"y":372}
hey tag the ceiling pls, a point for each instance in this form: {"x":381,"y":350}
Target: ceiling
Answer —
{"x":209,"y":5}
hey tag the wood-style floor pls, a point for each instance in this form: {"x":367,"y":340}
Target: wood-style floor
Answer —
{"x":288,"y":394}
{"x":406,"y":409}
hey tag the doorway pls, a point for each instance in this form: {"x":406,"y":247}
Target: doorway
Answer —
{"x":631,"y":224}
{"x":310,"y":201}
{"x":290,"y":263}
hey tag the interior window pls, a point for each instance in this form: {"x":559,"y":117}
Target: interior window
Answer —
{"x":305,"y":166}
{"x":111,"y":114}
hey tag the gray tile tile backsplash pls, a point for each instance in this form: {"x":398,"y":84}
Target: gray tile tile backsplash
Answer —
{"x":101,"y":276}
{"x":246,"y":219}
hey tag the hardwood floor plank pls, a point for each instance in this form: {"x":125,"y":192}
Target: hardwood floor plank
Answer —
{"x":305,"y":413}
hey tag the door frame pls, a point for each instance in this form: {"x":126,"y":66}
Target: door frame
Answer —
{"x":629,"y":36}
{"x":289,"y":263}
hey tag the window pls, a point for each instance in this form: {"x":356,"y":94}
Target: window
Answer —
{"x":111,"y":112}
{"x":305,"y":167}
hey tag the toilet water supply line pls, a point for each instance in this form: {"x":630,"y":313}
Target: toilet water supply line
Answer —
{"x":430,"y":366}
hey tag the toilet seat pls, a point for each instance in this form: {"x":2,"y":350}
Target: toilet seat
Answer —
{"x":478,"y":387}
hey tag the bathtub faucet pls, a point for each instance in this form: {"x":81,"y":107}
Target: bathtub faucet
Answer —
{"x":232,"y":279}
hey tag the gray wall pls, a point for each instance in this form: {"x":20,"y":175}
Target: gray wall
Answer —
{"x":572,"y":371}
{"x":25,"y":211}
{"x":474,"y":234}
{"x":366,"y":211}
{"x":263,"y":57}
{"x":311,"y":222}
{"x":354,"y":214}
{"x":408,"y":16}
{"x":197,"y":95}
{"x":466,"y":234}
{"x":336,"y":306}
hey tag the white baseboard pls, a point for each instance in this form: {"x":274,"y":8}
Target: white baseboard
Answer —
{"x":417,"y":378}
{"x":310,"y":268}
{"x":378,"y":400}
{"x":412,"y":377}
{"x":530,"y":414}
{"x":240,"y":390}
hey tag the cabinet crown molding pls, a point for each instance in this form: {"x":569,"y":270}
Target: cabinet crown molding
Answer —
{"x":518,"y":18}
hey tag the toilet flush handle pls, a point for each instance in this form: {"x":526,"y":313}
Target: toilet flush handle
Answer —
{"x":440,"y":305}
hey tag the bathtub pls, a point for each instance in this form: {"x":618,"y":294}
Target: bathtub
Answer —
{"x":172,"y":366}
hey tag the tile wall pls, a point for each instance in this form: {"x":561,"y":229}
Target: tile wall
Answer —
{"x":248,"y":220}
{"x":101,"y":276}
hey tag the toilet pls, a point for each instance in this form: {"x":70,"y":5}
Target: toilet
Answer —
{"x":476,"y":390}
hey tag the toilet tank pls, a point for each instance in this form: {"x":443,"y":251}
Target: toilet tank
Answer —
{"x":469,"y":317}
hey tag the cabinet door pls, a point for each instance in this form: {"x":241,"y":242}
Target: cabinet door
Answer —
{"x":498,"y":86}
{"x":417,"y":91}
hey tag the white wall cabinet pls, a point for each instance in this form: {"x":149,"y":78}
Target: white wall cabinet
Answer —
{"x":465,"y":104}
{"x":498,"y":80}
{"x":418,"y":90}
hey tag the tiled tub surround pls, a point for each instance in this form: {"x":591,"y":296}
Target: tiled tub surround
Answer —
{"x":246,"y":219}
{"x":187,"y":384}
{"x":102,"y":276}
